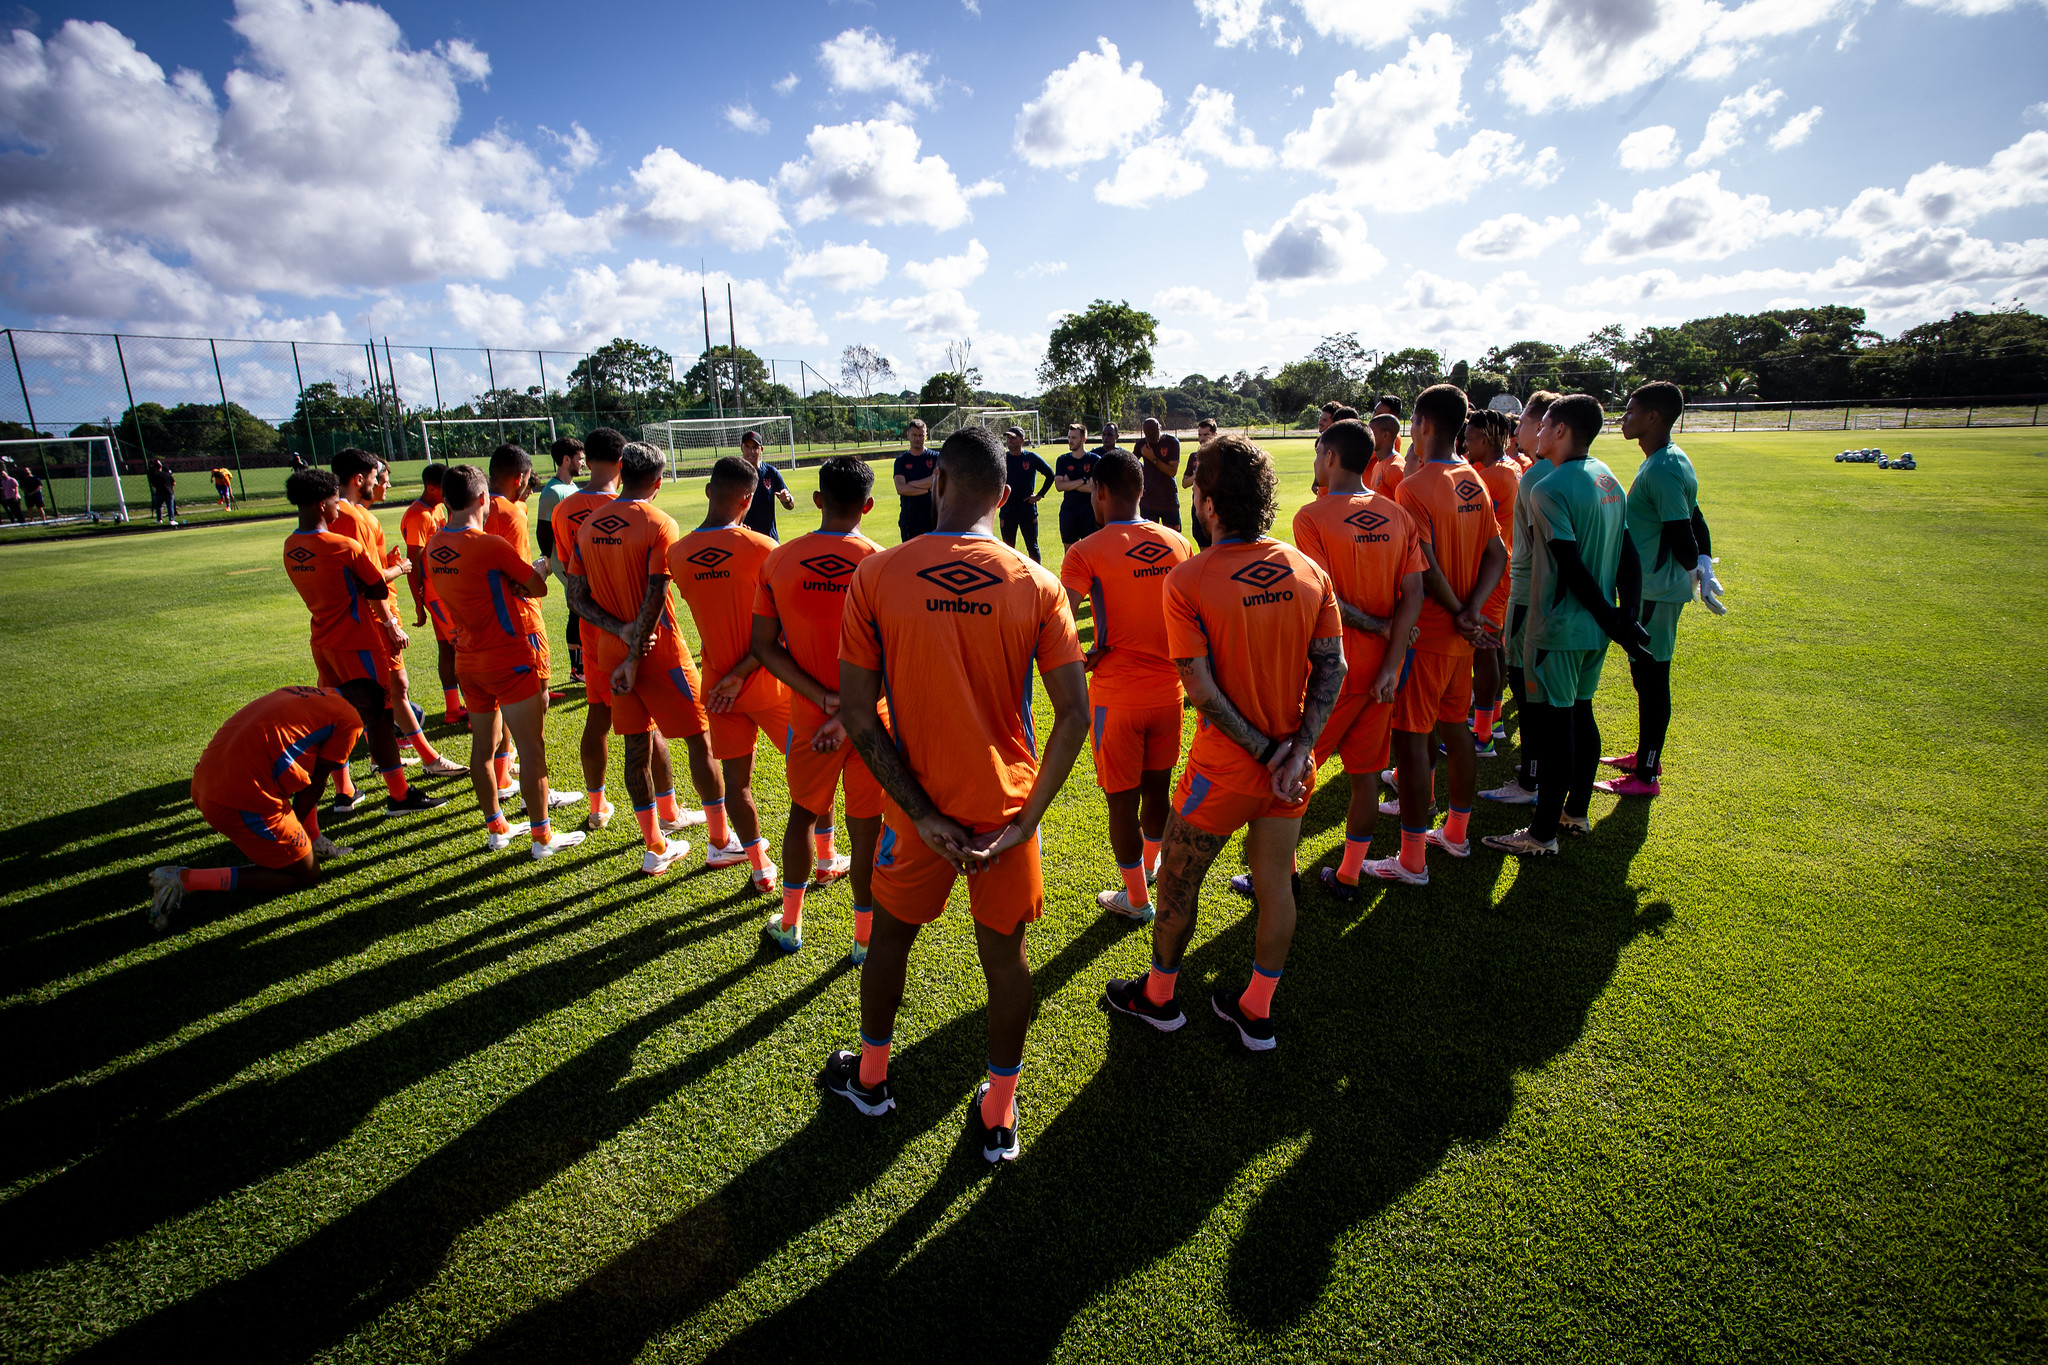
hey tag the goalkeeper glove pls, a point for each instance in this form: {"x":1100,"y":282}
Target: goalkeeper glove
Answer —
{"x":1706,"y":587}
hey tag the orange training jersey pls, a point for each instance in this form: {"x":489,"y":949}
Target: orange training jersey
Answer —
{"x":954,"y":624}
{"x":419,"y":524}
{"x":506,"y":520}
{"x":1122,"y":569}
{"x":1453,"y":514}
{"x":717,"y":569}
{"x":570,"y":514}
{"x":360,"y":524}
{"x":1250,"y":607}
{"x":617,"y":549}
{"x":1384,"y":477}
{"x":267,"y":750}
{"x":1367,"y":545}
{"x":1502,"y":478}
{"x":804,"y":585}
{"x":473,"y":574}
{"x":330,"y":572}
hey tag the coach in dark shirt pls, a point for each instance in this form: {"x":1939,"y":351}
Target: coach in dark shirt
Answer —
{"x":769,"y":489}
{"x":1160,"y":454}
{"x":1073,"y":474}
{"x":914,"y":470}
{"x":1020,"y":509}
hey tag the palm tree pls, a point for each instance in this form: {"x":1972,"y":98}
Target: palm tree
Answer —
{"x":1738,"y":385}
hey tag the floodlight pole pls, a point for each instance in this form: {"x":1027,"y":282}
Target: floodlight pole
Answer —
{"x":227,"y":418}
{"x":397,"y":405}
{"x":312,"y":448}
{"x":732,"y":353}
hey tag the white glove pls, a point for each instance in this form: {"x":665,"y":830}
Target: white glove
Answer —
{"x":1706,"y":587}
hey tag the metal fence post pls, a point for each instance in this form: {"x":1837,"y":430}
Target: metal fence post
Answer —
{"x":546,"y":406}
{"x":377,"y":387}
{"x":1970,"y":416}
{"x":312,"y":449}
{"x":133,"y":415}
{"x":43,"y":452}
{"x":397,"y":405}
{"x":491,"y":373}
{"x":227,"y":418}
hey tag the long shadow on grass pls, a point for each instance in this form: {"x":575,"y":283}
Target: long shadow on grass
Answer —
{"x":154,"y":1171}
{"x":1404,"y":1026}
{"x":389,"y":1247}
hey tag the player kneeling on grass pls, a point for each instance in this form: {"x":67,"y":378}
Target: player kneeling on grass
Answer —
{"x":797,"y":610}
{"x":1677,"y":557}
{"x":502,"y":660}
{"x":1580,"y":561}
{"x":950,"y":624}
{"x":259,"y":784}
{"x":1134,"y":694}
{"x":1254,"y":630}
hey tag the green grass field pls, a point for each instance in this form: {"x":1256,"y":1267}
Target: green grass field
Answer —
{"x":1755,"y":1072}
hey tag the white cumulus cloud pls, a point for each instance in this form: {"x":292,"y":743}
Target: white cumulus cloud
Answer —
{"x":862,"y":61}
{"x":1648,"y":149}
{"x":743,"y":117}
{"x":951,"y":272}
{"x":1694,"y":220}
{"x":1321,"y":240}
{"x":833,"y":266}
{"x":1726,"y":125}
{"x":943,"y":311}
{"x":1157,"y":170}
{"x":1795,"y":129}
{"x":871,"y":172}
{"x":1514,"y":237}
{"x":1945,"y":195}
{"x":1241,"y":21}
{"x":680,"y":201}
{"x":1372,"y":23}
{"x":1090,"y":108}
{"x":1212,"y":130}
{"x":596,"y":303}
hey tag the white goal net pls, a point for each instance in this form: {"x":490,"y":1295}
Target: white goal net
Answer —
{"x":1000,"y":420}
{"x":452,"y":439}
{"x":693,"y":444}
{"x":79,"y":478}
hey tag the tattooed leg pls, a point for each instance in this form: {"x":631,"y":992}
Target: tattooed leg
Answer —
{"x":1183,"y":861}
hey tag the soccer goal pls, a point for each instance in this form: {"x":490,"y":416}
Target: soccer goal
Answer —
{"x":1000,"y":420}
{"x":81,"y":478}
{"x":475,"y":437}
{"x":693,"y":444}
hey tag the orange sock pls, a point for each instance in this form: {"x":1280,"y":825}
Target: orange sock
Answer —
{"x":1455,"y":824}
{"x":649,"y":830}
{"x":312,"y":823}
{"x":501,"y":768}
{"x":1134,"y":884}
{"x":451,"y":699}
{"x":716,"y":831}
{"x":420,"y":746}
{"x":394,"y":782}
{"x":792,"y":905}
{"x":821,"y":844}
{"x":495,"y":821}
{"x":757,"y":855}
{"x":1412,"y":848}
{"x":1482,"y":725}
{"x":1257,"y":1000}
{"x":1151,"y":858}
{"x":665,"y":803}
{"x":874,"y":1060}
{"x":1159,"y":985}
{"x":597,"y":799}
{"x":344,"y":785}
{"x":1354,"y":859}
{"x":998,"y":1106}
{"x":207,"y":878}
{"x":863,"y":922}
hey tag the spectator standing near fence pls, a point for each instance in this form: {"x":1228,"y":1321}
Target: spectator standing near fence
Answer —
{"x":32,"y":493}
{"x":10,"y":495}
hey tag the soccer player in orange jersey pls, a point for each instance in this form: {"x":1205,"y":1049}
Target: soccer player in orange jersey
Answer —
{"x":423,"y":517}
{"x":950,"y":625}
{"x":364,"y":481}
{"x":340,"y":581}
{"x":1383,"y":476}
{"x":1461,"y":547}
{"x":259,"y":782}
{"x":1254,"y":629}
{"x":502,"y":658}
{"x":716,"y":568}
{"x":1134,"y":696}
{"x":1369,"y":548}
{"x":796,"y":637}
{"x":619,"y":582}
{"x":1484,"y":444}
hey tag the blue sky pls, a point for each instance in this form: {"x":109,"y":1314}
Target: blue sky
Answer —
{"x":1424,"y":172}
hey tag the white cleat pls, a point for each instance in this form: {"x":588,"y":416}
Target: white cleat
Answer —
{"x":1118,"y":902}
{"x":1513,"y":794}
{"x":495,"y":842}
{"x":166,"y":893}
{"x":408,"y":759}
{"x":598,"y":819}
{"x":654,"y":864}
{"x":1438,"y":839}
{"x":557,"y":800}
{"x":685,"y":819}
{"x":764,"y":881}
{"x":830,"y":871}
{"x":444,"y":766}
{"x":1568,"y":823}
{"x":564,"y":838}
{"x":1392,"y":807}
{"x":730,"y":854}
{"x":1386,"y":777}
{"x":325,"y":848}
{"x":1521,"y":843}
{"x":1391,"y":869}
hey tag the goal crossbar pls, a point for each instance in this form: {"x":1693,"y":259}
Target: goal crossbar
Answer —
{"x":426,"y":443}
{"x":706,"y":438}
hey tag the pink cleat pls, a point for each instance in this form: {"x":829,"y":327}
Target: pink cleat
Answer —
{"x":1630,"y":785}
{"x":1625,"y":762}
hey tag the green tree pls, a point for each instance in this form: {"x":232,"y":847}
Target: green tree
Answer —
{"x":1104,"y":352}
{"x":740,"y":378}
{"x":951,"y":388}
{"x":1304,"y":384}
{"x":1407,"y":372}
{"x":1350,"y":364}
{"x":627,"y":369}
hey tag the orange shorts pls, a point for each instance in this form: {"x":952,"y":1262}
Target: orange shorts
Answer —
{"x":336,"y":666}
{"x":664,"y":696}
{"x":499,"y":680}
{"x":1359,"y":730}
{"x":1437,"y":689}
{"x":1496,"y":609}
{"x":1130,"y":740}
{"x":732,"y":732}
{"x":912,"y":882}
{"x":813,"y":776}
{"x":273,"y":838}
{"x":1220,"y":811}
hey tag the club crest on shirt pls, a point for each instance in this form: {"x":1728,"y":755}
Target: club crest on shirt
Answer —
{"x":961,"y":579}
{"x":1266,"y":575}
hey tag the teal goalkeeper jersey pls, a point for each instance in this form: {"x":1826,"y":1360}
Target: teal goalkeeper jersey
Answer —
{"x":1518,"y":557}
{"x":1579,"y":501}
{"x":1665,"y":489}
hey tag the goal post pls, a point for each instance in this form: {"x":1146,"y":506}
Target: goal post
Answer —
{"x":82,"y":483}
{"x":693,"y":444}
{"x":463,"y":436}
{"x":1000,"y":420}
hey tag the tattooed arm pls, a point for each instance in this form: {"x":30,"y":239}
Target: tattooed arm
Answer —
{"x":637,"y":633}
{"x":1200,"y":683}
{"x":1325,"y":680}
{"x":1362,"y":621}
{"x":860,"y":692}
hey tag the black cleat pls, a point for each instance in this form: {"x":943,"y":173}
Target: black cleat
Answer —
{"x":342,"y":805}
{"x":997,"y":1144}
{"x":1255,"y":1034}
{"x":1337,"y":889}
{"x":841,"y":1077}
{"x":414,"y":802}
{"x":1128,"y":997}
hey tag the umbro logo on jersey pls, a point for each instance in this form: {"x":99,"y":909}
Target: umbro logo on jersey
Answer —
{"x":1148,"y":552}
{"x":959,"y":578}
{"x":611,"y":523}
{"x":1469,"y":489}
{"x":444,"y":554}
{"x":298,"y":554}
{"x":1365,"y":519}
{"x":1266,"y":576}
{"x":829,"y":565}
{"x":710,"y":557}
{"x":576,"y":517}
{"x":1607,"y":483}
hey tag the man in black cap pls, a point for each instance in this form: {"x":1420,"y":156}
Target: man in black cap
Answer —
{"x":769,"y":489}
{"x":1020,"y":509}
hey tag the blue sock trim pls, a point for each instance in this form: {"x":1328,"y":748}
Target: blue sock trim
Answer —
{"x":755,"y":843}
{"x":875,"y":1042}
{"x":385,"y":772}
{"x":864,"y":909}
{"x":598,"y":790}
{"x":995,"y":1070}
{"x":1261,"y":971}
{"x":639,"y":809}
{"x":670,"y":793}
{"x":795,"y":886}
{"x":821,"y":829}
{"x":1164,"y":971}
{"x":1131,"y":867}
{"x":720,"y":803}
{"x":1358,"y":838}
{"x":1407,"y":828}
{"x":1461,"y":810}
